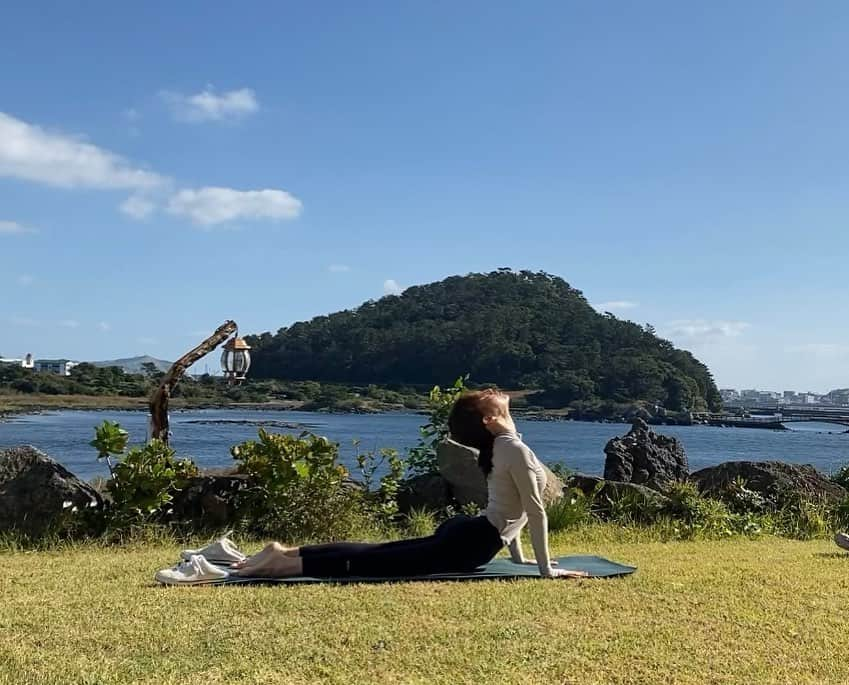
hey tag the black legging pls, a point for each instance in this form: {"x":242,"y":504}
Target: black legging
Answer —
{"x":461,"y":543}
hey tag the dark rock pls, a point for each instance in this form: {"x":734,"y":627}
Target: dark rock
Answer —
{"x":209,"y":500}
{"x":37,"y":493}
{"x":429,"y":491}
{"x":645,"y":458}
{"x":611,"y":490}
{"x":458,"y":464}
{"x":776,"y":481}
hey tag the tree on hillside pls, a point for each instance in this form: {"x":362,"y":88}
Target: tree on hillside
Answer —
{"x":517,"y":329}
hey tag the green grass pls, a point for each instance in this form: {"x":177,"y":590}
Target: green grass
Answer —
{"x":744,"y":611}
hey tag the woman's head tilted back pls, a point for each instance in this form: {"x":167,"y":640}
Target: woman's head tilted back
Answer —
{"x":476,"y":418}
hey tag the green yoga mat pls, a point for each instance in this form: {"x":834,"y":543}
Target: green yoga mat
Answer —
{"x":596,"y":567}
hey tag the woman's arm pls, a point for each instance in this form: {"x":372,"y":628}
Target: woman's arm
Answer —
{"x":523,"y":471}
{"x":517,"y":555}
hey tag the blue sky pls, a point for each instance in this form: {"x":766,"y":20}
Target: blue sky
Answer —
{"x":171,"y":165}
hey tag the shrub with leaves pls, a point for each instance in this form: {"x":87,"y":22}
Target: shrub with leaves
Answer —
{"x":421,"y":459}
{"x":803,"y":518}
{"x":110,"y":440}
{"x":574,"y":508}
{"x":144,"y":479}
{"x":420,"y":523}
{"x":841,"y":476}
{"x":741,"y":500}
{"x":698,"y":516}
{"x":298,"y":490}
{"x":144,"y":482}
{"x":559,"y":469}
{"x":381,"y":496}
{"x":630,"y":507}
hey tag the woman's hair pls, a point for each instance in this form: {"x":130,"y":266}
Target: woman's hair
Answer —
{"x":465,"y":423}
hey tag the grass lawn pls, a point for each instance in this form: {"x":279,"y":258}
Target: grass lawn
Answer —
{"x":734,"y":611}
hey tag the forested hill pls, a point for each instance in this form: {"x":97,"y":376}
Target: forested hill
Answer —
{"x":516,"y":329}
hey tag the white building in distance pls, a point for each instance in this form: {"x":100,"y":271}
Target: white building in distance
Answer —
{"x":61,"y":367}
{"x":26,"y":363}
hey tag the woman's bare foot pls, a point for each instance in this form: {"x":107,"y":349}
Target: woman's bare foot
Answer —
{"x":274,"y":561}
{"x":272,"y":549}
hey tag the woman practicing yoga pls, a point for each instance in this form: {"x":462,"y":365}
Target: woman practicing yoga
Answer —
{"x":515,"y":482}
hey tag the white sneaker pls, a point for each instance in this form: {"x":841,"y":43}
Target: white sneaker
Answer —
{"x":221,"y":552}
{"x":194,"y":571}
{"x":842,"y":540}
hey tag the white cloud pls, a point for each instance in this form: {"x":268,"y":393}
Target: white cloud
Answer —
{"x":69,"y":323}
{"x":31,"y":153}
{"x":25,"y":280}
{"x":338,"y":268}
{"x":211,"y":205}
{"x":13,"y":228}
{"x":104,"y":326}
{"x":391,"y":287}
{"x":137,"y":207}
{"x":705,"y":329}
{"x":615,"y":305}
{"x":210,"y":106}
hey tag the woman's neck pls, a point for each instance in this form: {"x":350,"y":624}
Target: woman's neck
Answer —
{"x":503,"y":427}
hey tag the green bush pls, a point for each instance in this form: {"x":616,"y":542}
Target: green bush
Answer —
{"x":144,"y":479}
{"x":560,"y":470}
{"x":804,"y":519}
{"x":144,"y":482}
{"x":381,"y":496}
{"x":741,"y":500}
{"x":841,"y":476}
{"x":420,"y":523}
{"x":698,"y":516}
{"x":631,"y":508}
{"x":840,"y":514}
{"x":110,"y":440}
{"x":421,"y":459}
{"x":298,"y":490}
{"x":574,"y":508}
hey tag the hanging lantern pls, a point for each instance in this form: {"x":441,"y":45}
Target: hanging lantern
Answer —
{"x":235,"y":360}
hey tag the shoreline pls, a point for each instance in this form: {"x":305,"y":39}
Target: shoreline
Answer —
{"x":18,"y":405}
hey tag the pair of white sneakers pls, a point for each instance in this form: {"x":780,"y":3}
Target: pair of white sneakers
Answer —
{"x":209,"y":564}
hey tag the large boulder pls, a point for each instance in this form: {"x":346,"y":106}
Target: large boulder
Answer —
{"x":645,"y":458}
{"x":458,"y":464}
{"x":776,"y":481}
{"x":38,"y":494}
{"x":209,"y":500}
{"x":427,"y":491}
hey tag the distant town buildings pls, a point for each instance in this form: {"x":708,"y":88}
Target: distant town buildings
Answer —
{"x":27,"y":362}
{"x":769,"y":399}
{"x":62,"y":367}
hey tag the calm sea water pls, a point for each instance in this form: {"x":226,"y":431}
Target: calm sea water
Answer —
{"x":206,"y":436}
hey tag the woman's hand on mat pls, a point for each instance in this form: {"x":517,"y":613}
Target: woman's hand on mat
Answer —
{"x":563,"y":573}
{"x":533,"y":562}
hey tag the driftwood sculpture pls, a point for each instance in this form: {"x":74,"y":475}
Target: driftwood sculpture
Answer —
{"x":159,"y":399}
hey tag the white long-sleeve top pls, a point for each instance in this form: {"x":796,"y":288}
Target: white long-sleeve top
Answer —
{"x":515,"y":486}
